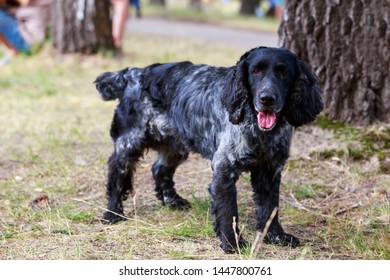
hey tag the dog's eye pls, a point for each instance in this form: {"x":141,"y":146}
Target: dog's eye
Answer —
{"x":282,"y":71}
{"x":257,"y":70}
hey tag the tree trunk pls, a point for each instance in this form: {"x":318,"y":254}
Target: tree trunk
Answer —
{"x":196,"y":4}
{"x":82,"y":26}
{"x":248,"y":7}
{"x":347,"y":43}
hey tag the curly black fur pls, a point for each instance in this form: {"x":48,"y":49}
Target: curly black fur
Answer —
{"x":241,"y":118}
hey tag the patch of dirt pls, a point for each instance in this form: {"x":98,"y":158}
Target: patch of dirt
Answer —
{"x":7,"y":169}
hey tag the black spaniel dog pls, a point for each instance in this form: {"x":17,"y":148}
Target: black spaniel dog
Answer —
{"x":241,"y":118}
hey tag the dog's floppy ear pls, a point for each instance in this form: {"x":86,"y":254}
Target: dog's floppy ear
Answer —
{"x":305,"y":101}
{"x":235,"y":93}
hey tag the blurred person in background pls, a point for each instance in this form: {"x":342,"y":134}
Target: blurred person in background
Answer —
{"x":270,"y":8}
{"x":277,"y":8}
{"x":120,"y":13}
{"x":23,"y":25}
{"x":137,"y":5}
{"x":10,"y":37}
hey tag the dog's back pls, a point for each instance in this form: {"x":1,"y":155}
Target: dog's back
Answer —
{"x":180,"y":100}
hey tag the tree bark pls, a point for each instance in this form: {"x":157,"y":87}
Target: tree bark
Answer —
{"x":82,"y":26}
{"x":348,"y":45}
{"x":196,"y":5}
{"x":248,"y":7}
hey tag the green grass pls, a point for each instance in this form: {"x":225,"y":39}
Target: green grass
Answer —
{"x":197,"y":222}
{"x":377,"y":247}
{"x":55,"y":142}
{"x":302,"y":192}
{"x":362,"y":143}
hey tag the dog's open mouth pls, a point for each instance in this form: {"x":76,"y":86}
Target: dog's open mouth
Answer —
{"x":266,"y":120}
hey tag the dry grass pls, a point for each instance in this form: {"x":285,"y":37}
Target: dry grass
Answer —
{"x":54,"y":147}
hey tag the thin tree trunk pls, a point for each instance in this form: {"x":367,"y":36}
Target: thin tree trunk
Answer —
{"x":348,"y":45}
{"x":196,"y":5}
{"x":82,"y":26}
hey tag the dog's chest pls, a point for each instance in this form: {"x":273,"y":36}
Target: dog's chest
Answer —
{"x":253,"y":149}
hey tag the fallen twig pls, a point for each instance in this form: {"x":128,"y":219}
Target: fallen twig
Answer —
{"x":297,"y":204}
{"x":329,"y":196}
{"x":261,"y":235}
{"x":237,"y":237}
{"x":105,"y":209}
{"x":343,"y":210}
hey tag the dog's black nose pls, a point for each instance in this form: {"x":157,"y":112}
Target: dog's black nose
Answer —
{"x":267,"y":98}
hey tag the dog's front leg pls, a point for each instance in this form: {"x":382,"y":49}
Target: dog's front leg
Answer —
{"x":265,"y":184}
{"x":224,"y":207}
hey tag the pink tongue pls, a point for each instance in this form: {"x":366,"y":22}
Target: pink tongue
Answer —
{"x":266,"y":119}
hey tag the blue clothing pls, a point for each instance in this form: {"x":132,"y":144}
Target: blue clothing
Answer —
{"x":9,"y":30}
{"x":275,"y":3}
{"x":136,"y":4}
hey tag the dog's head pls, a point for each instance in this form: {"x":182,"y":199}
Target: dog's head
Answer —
{"x":272,"y":83}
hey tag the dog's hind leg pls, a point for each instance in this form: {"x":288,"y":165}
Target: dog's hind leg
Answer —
{"x":163,"y":170}
{"x":121,"y":165}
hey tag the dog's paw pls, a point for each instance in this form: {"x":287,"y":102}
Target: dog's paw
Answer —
{"x":177,"y":203}
{"x":231,"y":248}
{"x":112,"y":218}
{"x":283,"y":239}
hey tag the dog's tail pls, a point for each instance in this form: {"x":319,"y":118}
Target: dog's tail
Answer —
{"x":112,"y":85}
